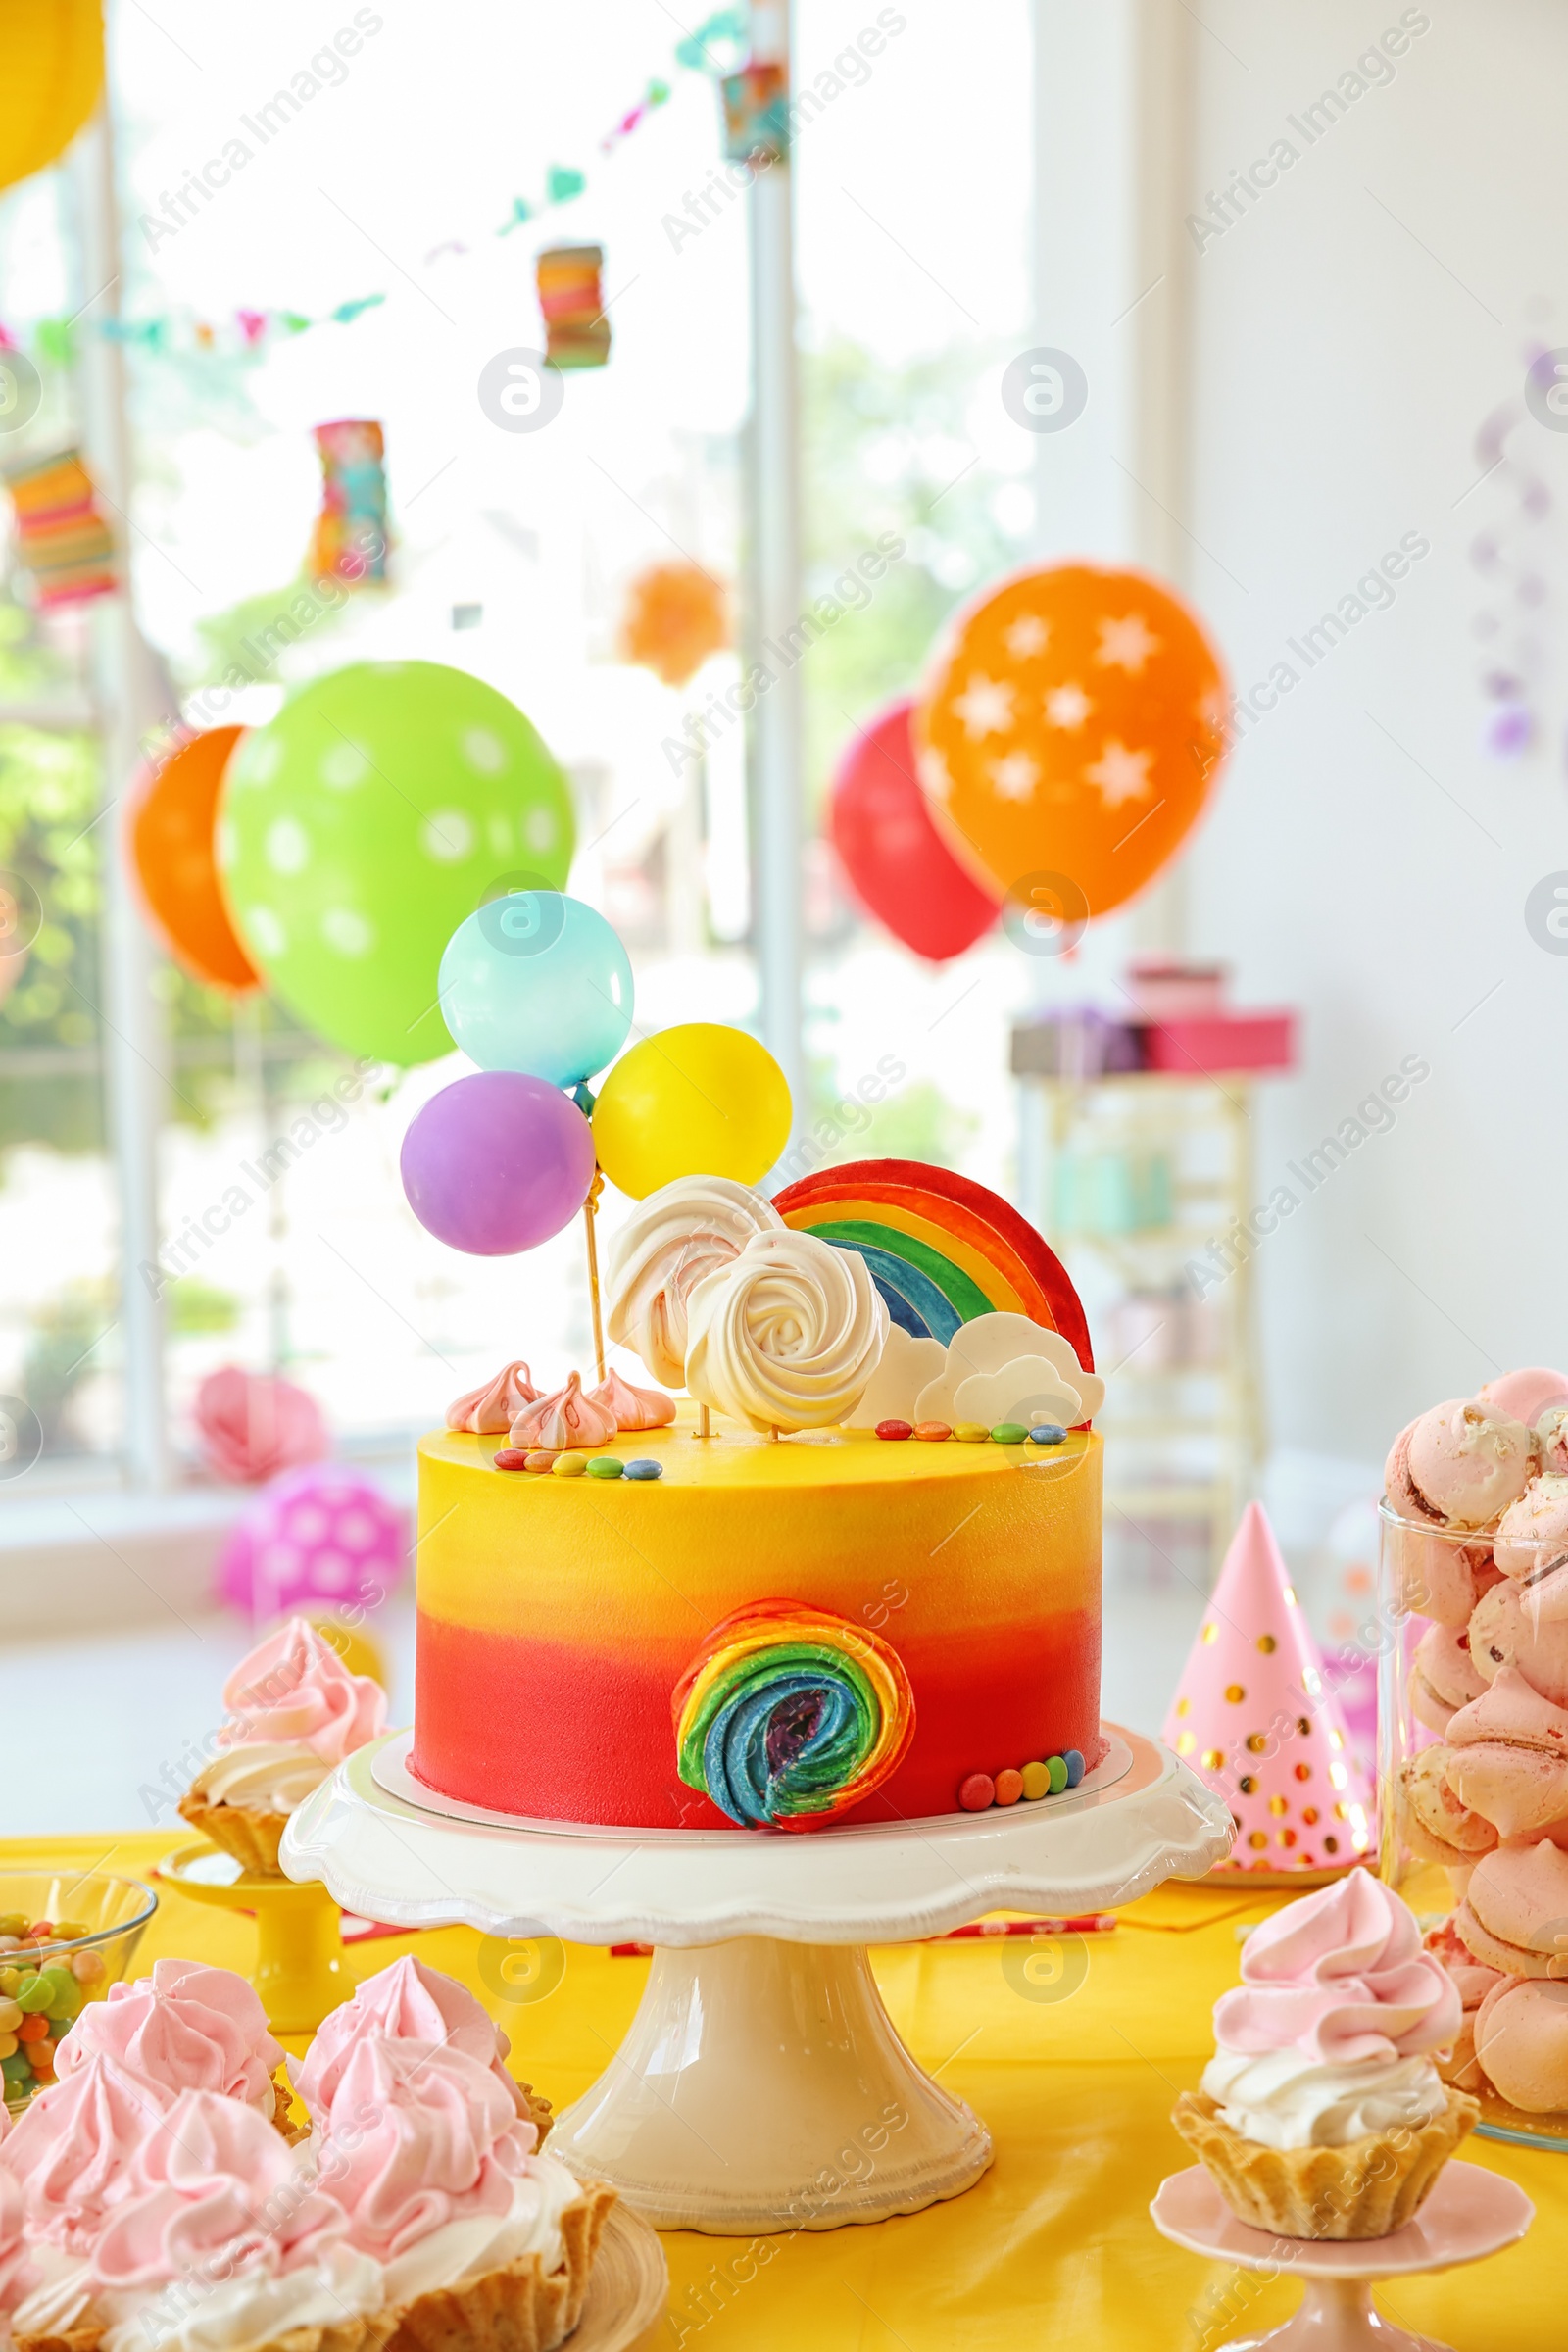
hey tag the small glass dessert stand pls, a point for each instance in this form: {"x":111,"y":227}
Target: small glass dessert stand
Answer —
{"x":761,"y":2085}
{"x":1468,"y":2215}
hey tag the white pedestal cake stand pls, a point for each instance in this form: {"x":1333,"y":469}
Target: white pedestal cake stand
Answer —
{"x":762,"y":2085}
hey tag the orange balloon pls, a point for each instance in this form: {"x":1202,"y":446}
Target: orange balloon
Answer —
{"x":1071,"y":730}
{"x":170,"y":843}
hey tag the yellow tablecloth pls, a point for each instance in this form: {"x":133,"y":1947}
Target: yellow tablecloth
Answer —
{"x":1054,"y":2247}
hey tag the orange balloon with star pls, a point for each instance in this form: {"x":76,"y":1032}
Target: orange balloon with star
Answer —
{"x":1071,"y":730}
{"x":173,"y":809}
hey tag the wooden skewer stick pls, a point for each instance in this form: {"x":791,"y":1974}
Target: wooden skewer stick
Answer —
{"x":589,"y":1212}
{"x":703,"y":1430}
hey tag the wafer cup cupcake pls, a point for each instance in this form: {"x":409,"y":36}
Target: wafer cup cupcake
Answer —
{"x":1322,"y":2115}
{"x":295,"y":1712}
{"x":484,"y":2240}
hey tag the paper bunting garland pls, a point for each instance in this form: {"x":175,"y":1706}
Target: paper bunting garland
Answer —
{"x":715,"y":48}
{"x":64,"y":542}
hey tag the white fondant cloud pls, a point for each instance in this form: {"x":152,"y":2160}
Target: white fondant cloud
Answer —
{"x":1002,"y":1367}
{"x":1031,"y":1391}
{"x":908,"y":1365}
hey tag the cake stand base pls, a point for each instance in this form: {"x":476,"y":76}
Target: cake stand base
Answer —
{"x":761,"y":2087}
{"x":1469,"y":2214}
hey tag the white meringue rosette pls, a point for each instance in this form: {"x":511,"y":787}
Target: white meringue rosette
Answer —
{"x":670,"y":1242}
{"x":998,"y":1367}
{"x":787,"y":1335}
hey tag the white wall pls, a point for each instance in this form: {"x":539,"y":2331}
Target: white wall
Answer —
{"x":1367,"y":860}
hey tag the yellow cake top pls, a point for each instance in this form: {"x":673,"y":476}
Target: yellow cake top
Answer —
{"x":733,"y":1458}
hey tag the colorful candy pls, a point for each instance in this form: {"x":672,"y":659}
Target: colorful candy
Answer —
{"x":512,"y":1457}
{"x":1048,"y":1433}
{"x":568,"y":1465}
{"x":605,"y":1465}
{"x":645,"y":1469}
{"x":1035,"y":1781}
{"x":895,"y":1429}
{"x":789,"y":1715}
{"x":971,"y":1433}
{"x":934,"y":1432}
{"x":41,"y":1994}
{"x":1008,"y":1433}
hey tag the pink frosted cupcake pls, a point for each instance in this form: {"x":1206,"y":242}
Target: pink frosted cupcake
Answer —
{"x":483,"y":2241}
{"x":410,"y":2002}
{"x":184,"y":2027}
{"x":19,"y":2272}
{"x":1322,"y":2114}
{"x":296,"y":1712}
{"x":69,"y":2155}
{"x":222,"y":2242}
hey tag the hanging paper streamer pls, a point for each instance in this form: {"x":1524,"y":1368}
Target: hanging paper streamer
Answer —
{"x":572,"y":303}
{"x":1509,"y":624}
{"x":349,"y":541}
{"x":756,"y":119}
{"x":64,"y":542}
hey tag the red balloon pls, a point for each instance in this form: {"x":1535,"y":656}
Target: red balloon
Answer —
{"x":897,"y":863}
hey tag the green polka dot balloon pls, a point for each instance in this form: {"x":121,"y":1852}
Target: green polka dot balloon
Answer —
{"x":379,"y":809}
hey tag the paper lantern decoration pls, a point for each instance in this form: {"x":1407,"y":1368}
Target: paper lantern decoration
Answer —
{"x":897,"y":863}
{"x":1072,"y":726}
{"x":939,"y":1249}
{"x":349,"y":541}
{"x":571,"y":303}
{"x":378,"y":808}
{"x":313,"y":1536}
{"x":756,"y":103}
{"x":173,"y":809}
{"x":54,"y":72}
{"x":62,"y":538}
{"x":677,"y":614}
{"x":252,"y":1426}
{"x":1255,"y":1718}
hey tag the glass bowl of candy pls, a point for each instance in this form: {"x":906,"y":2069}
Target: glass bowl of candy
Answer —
{"x":64,"y":1937}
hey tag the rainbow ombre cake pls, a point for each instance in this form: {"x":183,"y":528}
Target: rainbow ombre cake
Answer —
{"x":797,"y":1621}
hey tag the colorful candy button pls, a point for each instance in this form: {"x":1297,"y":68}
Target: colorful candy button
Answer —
{"x":1075,"y":1767}
{"x":1008,"y":1433}
{"x":569,"y":1465}
{"x":971,"y":1433}
{"x":605,"y":1465}
{"x":1036,"y":1780}
{"x":541,"y":1457}
{"x":1048,"y":1433}
{"x":1058,"y":1770}
{"x":933,"y":1433}
{"x":645,"y":1469}
{"x":512,"y":1457}
{"x":895,"y":1429}
{"x":1009,"y":1787}
{"x":977,"y":1792}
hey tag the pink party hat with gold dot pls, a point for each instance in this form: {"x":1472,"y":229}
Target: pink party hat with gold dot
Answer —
{"x":1255,"y":1718}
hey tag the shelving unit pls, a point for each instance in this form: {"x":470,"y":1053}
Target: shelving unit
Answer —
{"x":1133,"y":1177}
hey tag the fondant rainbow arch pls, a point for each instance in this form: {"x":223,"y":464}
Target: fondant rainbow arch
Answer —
{"x":940,"y":1250}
